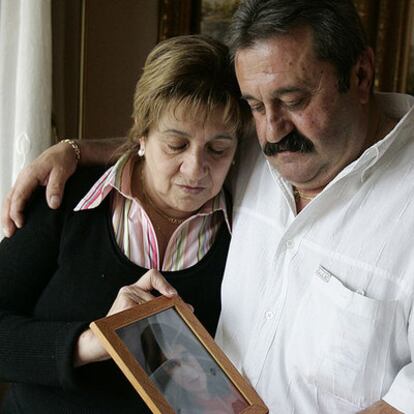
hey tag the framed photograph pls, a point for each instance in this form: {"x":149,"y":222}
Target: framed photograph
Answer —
{"x":216,"y":16}
{"x":173,"y":362}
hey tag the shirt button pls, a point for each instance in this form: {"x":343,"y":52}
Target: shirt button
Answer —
{"x":269,"y":315}
{"x":290,"y":244}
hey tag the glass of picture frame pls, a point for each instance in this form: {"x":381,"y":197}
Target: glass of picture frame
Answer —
{"x":172,"y":361}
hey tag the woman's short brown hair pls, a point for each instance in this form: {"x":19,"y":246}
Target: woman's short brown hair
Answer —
{"x":191,"y":70}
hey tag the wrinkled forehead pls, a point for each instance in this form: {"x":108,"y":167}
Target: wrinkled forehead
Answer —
{"x":281,"y":62}
{"x":299,"y":39}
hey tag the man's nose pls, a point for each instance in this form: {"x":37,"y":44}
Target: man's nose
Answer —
{"x":278,"y":125}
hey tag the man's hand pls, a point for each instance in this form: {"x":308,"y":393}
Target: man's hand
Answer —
{"x":380,"y":407}
{"x":52,"y":168}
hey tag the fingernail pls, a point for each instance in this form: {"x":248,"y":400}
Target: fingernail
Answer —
{"x":54,"y":201}
{"x":171,"y":291}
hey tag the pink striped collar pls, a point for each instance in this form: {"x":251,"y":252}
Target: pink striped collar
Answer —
{"x":118,"y":176}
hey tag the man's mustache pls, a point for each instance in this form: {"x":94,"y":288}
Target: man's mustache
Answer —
{"x":293,"y":142}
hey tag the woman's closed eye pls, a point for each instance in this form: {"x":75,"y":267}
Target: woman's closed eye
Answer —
{"x":213,"y":149}
{"x":177,"y":147}
{"x":173,"y":363}
{"x":217,"y":150}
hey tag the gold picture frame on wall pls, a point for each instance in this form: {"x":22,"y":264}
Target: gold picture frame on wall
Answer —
{"x":178,"y":17}
{"x":389,"y":27}
{"x":388,"y":23}
{"x":215,"y":17}
{"x":210,"y":17}
{"x":172,"y":361}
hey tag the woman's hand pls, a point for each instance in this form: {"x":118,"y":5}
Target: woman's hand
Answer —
{"x":88,"y":347}
{"x":140,"y":291}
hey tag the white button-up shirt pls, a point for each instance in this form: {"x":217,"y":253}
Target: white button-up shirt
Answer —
{"x":317,"y":306}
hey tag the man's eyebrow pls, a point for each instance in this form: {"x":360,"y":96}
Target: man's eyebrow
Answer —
{"x":287,"y":90}
{"x":248,"y":97}
{"x":277,"y":93}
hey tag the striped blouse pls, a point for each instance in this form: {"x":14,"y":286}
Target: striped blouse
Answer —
{"x":135,"y":233}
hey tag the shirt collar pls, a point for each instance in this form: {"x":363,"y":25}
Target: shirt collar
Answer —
{"x":118,"y":178}
{"x":113,"y":178}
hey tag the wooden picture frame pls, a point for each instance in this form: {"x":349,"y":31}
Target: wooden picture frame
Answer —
{"x":172,"y":361}
{"x":215,"y":17}
{"x":211,"y":17}
{"x":178,"y":17}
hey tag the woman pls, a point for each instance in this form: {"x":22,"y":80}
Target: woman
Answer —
{"x":160,"y":207}
{"x":187,"y":376}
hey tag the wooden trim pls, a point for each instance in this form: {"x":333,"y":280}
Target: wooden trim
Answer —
{"x":177,"y":17}
{"x":408,"y":20}
{"x":81,"y":120}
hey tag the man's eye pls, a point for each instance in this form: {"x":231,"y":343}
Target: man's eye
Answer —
{"x":257,"y":108}
{"x":296,"y":104}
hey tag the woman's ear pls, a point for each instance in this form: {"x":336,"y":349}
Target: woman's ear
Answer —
{"x":141,"y":151}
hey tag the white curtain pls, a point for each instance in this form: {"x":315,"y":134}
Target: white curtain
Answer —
{"x":25,"y":85}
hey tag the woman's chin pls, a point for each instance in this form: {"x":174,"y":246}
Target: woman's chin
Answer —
{"x":186,"y":208}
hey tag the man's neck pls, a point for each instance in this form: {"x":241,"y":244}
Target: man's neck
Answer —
{"x":380,"y":124}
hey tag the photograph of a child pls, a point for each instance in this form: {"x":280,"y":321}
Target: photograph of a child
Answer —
{"x":180,"y":367}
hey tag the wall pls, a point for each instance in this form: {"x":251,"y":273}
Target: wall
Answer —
{"x":99,"y":49}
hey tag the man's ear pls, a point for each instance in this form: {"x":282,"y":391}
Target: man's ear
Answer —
{"x":363,"y":74}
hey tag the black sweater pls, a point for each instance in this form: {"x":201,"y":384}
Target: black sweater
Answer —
{"x":62,"y":270}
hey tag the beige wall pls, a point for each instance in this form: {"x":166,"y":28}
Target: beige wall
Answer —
{"x":99,"y":49}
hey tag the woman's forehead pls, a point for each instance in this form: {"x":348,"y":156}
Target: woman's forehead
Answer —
{"x":195,"y":116}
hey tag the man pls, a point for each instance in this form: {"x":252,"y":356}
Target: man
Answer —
{"x":318,"y":291}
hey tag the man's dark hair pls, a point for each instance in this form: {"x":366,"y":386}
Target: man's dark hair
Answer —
{"x":338,"y":33}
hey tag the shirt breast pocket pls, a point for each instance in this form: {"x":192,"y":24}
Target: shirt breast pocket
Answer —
{"x":339,"y":340}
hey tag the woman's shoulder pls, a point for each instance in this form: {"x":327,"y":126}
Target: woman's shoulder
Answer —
{"x":80,"y":183}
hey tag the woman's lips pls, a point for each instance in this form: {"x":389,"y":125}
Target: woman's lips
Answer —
{"x":191,"y":189}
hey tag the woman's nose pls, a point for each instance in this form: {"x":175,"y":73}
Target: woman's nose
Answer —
{"x":194,"y":166}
